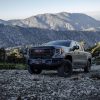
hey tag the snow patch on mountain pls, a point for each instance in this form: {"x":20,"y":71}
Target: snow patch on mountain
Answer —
{"x":59,"y":21}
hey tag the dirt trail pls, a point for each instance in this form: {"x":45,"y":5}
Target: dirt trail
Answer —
{"x":19,"y":84}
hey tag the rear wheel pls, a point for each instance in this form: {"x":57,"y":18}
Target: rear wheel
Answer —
{"x":31,"y":70}
{"x":66,"y":69}
{"x":87,"y":67}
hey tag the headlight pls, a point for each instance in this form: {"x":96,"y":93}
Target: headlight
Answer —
{"x":59,"y":51}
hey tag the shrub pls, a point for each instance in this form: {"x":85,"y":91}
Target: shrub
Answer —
{"x":12,"y":66}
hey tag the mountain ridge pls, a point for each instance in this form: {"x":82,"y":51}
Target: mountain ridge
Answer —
{"x":58,"y":21}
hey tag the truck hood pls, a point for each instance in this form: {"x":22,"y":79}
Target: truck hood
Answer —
{"x":51,"y":46}
{"x":66,"y":49}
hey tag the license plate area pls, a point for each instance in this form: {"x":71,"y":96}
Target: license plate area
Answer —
{"x":38,"y":61}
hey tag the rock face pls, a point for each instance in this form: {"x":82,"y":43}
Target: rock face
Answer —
{"x":15,"y":36}
{"x":59,"y":21}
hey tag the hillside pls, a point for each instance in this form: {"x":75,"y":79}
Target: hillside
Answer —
{"x":15,"y":35}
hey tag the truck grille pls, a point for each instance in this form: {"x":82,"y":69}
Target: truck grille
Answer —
{"x":41,"y":53}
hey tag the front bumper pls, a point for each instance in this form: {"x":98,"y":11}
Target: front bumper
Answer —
{"x":53,"y":63}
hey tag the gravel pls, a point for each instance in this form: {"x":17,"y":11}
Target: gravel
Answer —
{"x":20,"y":85}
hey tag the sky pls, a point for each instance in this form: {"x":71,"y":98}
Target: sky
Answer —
{"x":20,"y":9}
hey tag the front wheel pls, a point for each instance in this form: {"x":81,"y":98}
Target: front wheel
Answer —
{"x":87,"y":67}
{"x":33,"y":70}
{"x":66,"y":69}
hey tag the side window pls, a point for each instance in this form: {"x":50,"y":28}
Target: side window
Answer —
{"x":77,"y":44}
{"x":80,"y":47}
{"x":73,"y":44}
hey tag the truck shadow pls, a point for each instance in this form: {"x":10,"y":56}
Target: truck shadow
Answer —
{"x":55,"y":74}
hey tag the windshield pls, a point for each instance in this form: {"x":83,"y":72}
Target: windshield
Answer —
{"x":59,"y":43}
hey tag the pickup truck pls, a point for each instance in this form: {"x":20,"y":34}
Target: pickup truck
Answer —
{"x":60,"y":55}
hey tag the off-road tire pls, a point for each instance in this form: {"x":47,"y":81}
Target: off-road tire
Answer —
{"x":31,"y":70}
{"x":66,"y":69}
{"x":87,"y":68}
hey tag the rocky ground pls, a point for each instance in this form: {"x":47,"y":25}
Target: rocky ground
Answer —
{"x":20,"y":85}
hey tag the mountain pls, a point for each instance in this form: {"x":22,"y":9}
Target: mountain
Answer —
{"x":4,"y":22}
{"x":59,"y":21}
{"x":46,"y":27}
{"x":14,"y":36}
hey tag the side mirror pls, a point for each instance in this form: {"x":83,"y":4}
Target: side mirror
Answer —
{"x":75,"y":47}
